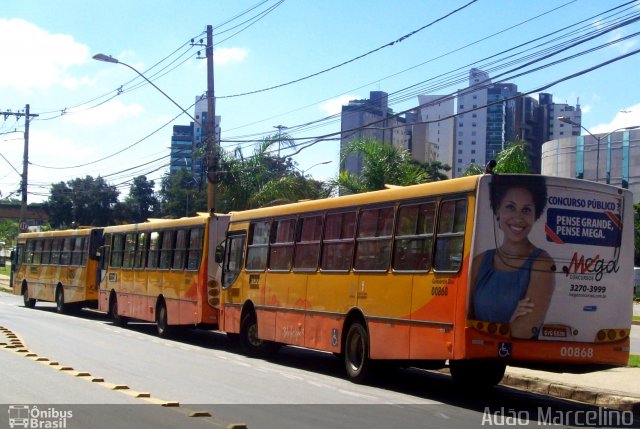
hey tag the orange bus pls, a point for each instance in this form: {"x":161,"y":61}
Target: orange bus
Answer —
{"x":57,"y":266}
{"x":481,"y":272}
{"x":158,"y":271}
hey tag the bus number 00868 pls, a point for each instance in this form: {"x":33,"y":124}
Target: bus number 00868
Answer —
{"x":439,"y":291}
{"x":581,"y":352}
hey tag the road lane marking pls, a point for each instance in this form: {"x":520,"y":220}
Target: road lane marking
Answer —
{"x":121,"y":388}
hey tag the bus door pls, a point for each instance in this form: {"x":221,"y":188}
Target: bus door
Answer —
{"x":383,"y":296}
{"x":16,"y":261}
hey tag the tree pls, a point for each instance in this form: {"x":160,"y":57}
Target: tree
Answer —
{"x":81,"y":201}
{"x":141,"y":203}
{"x":513,"y":159}
{"x":59,"y":206}
{"x":263,"y":178}
{"x":435,"y":170}
{"x":382,"y":164}
{"x":9,"y":230}
{"x":181,"y":195}
{"x":291,"y":188}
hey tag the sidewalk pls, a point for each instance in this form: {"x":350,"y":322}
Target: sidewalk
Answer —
{"x":617,"y":388}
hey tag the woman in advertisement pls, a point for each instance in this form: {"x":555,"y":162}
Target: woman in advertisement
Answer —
{"x":513,"y":283}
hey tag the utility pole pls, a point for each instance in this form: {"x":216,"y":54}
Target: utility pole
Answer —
{"x":212,"y":150}
{"x":25,"y":164}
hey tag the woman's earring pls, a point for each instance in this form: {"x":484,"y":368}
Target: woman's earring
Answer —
{"x":498,"y":218}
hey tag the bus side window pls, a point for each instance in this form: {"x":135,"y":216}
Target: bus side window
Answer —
{"x":37,"y":252}
{"x":281,"y":249}
{"x":55,"y":251}
{"x":308,"y":243}
{"x":450,"y":235}
{"x":373,"y":245}
{"x":117,"y":250}
{"x":141,"y":250}
{"x":258,"y":248}
{"x":77,"y":251}
{"x":195,"y":249}
{"x":65,"y":255}
{"x":414,"y":237}
{"x":155,"y":239}
{"x":166,"y":249}
{"x":337,"y":241}
{"x":233,"y":259}
{"x":46,"y":252}
{"x":29,"y":251}
{"x":180,"y":249}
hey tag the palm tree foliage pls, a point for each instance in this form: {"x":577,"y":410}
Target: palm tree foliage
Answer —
{"x":383,"y":164}
{"x":513,"y":159}
{"x":263,"y":178}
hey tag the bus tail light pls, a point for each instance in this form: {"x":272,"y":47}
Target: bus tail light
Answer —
{"x":610,"y":335}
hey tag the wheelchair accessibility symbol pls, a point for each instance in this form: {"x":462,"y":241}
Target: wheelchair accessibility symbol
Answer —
{"x":504,"y":349}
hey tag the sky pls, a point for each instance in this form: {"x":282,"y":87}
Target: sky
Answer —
{"x":286,"y":63}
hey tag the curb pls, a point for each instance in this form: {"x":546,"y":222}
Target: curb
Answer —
{"x":574,"y":393}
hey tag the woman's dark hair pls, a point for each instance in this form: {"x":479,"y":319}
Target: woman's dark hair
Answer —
{"x":536,"y":186}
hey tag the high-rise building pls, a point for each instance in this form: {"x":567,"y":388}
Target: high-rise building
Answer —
{"x":471,"y":123}
{"x":490,"y":115}
{"x":436,"y":141}
{"x":182,"y":148}
{"x":188,"y":142}
{"x":370,"y":118}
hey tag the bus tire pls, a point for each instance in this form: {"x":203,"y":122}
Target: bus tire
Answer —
{"x":162,"y":324}
{"x":60,"y":305}
{"x":28,"y":302}
{"x":356,"y":354}
{"x":113,"y":310}
{"x":477,"y":374}
{"x":251,"y":344}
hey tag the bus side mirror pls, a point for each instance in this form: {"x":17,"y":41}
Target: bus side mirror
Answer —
{"x":219,"y":255}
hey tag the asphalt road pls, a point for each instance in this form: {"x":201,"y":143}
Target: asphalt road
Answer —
{"x":203,"y":373}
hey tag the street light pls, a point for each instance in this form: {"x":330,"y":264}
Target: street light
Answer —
{"x":109,"y":59}
{"x":568,"y":120}
{"x":315,"y":165}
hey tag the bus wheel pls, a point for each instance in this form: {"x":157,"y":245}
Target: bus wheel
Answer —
{"x":356,"y":354}
{"x":28,"y":302}
{"x":164,"y":330}
{"x":249,"y":340}
{"x":60,"y":306}
{"x":477,"y":374}
{"x":115,"y":317}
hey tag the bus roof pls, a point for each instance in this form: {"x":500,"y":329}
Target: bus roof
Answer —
{"x":61,"y":233}
{"x":443,"y":187}
{"x":153,"y":224}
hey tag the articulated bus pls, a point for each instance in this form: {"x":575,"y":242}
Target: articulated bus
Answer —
{"x":57,"y":266}
{"x":158,"y":271}
{"x":480,"y":271}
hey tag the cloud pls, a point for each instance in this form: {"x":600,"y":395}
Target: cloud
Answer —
{"x":33,"y":58}
{"x":228,"y":55}
{"x":334,"y":106}
{"x":627,"y":117}
{"x":623,"y":46}
{"x":104,"y":114}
